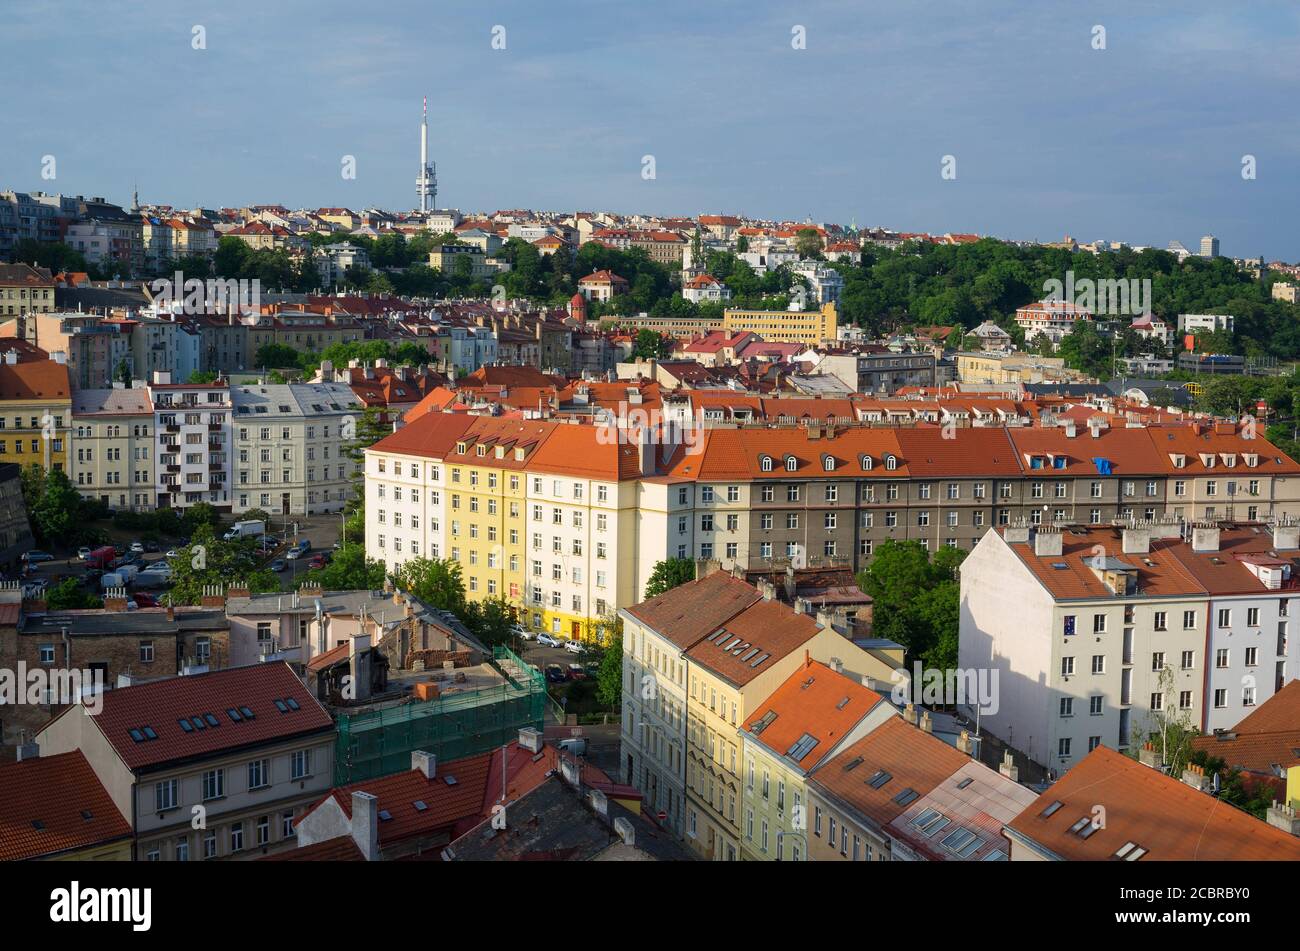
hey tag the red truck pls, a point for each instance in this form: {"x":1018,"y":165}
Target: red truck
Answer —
{"x":101,"y":558}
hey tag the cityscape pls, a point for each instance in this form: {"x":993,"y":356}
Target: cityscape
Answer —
{"x":404,"y":527}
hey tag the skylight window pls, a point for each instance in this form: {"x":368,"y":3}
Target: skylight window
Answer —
{"x":906,"y":796}
{"x":1051,"y":810}
{"x":186,"y":726}
{"x":802,"y":747}
{"x":293,"y":704}
{"x":248,"y":714}
{"x":212,"y":721}
{"x":280,"y":705}
{"x":419,"y":805}
{"x":879,"y":778}
{"x":234,"y":715}
{"x":149,"y":733}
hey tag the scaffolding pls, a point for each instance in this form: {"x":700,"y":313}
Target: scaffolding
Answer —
{"x":380,"y":742}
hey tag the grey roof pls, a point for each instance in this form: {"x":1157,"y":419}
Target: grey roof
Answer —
{"x":554,"y":822}
{"x":284,"y":400}
{"x":117,"y":401}
{"x":101,"y":623}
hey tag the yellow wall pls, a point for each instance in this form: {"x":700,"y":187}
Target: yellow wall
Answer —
{"x":17,"y":441}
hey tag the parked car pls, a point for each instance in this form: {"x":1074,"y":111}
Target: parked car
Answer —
{"x":317,"y":561}
{"x":554,"y":674}
{"x":574,"y":647}
{"x":151,"y":547}
{"x":278,"y":565}
{"x":34,"y":557}
{"x":546,"y":640}
{"x":574,"y":745}
{"x":84,"y":552}
{"x":172,"y":553}
{"x":521,"y":632}
{"x":144,"y":599}
{"x":293,"y":554}
{"x":577,"y":672}
{"x":119,"y":550}
{"x":137,"y":548}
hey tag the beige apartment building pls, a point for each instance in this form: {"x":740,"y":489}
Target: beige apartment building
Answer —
{"x":111,"y":456}
{"x":25,"y":290}
{"x":206,"y":766}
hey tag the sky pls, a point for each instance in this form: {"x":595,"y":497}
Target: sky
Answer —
{"x":1142,"y":141}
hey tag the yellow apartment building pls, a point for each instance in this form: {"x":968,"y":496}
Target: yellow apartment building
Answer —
{"x":810,"y":327}
{"x":35,"y":412}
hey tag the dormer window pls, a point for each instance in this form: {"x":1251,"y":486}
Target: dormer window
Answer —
{"x":480,"y":451}
{"x":519,"y":455}
{"x":765,"y":463}
{"x":867,"y":463}
{"x":791,"y":464}
{"x":1207,"y":460}
{"x":462,"y":447}
{"x":1229,"y":459}
{"x":1251,"y":460}
{"x":1178,"y":459}
{"x":891,"y":462}
{"x":828,"y":463}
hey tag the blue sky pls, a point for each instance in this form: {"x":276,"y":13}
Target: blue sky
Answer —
{"x":1142,"y":141}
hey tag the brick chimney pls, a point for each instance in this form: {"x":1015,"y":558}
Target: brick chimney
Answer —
{"x":213,"y":596}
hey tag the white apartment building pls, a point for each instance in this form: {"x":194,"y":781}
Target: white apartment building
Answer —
{"x":1196,"y":323}
{"x":827,"y":283}
{"x":192,"y":451}
{"x":291,"y":447}
{"x":653,"y":735}
{"x":111,"y":456}
{"x":1098,"y":636}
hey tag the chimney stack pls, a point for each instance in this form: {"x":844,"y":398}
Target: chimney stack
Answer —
{"x":530,"y":739}
{"x":1150,"y":756}
{"x":426,"y":763}
{"x":1008,"y":767}
{"x":1283,"y":816}
{"x":1205,"y":536}
{"x":365,"y":824}
{"x":1047,"y":542}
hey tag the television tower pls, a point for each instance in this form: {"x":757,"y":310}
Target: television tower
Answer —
{"x":426,"y":186}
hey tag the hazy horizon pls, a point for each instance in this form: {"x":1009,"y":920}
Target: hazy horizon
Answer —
{"x":1140,"y":142}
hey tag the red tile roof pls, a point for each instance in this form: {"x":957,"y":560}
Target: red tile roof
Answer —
{"x":910,"y":757}
{"x":58,"y":792}
{"x":1268,"y":738}
{"x":690,"y":611}
{"x":161,"y":704}
{"x":815,"y":702}
{"x":1155,"y":812}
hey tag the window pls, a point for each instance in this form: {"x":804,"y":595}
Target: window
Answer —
{"x":214,"y":784}
{"x":165,"y":794}
{"x":259,"y":774}
{"x":300,"y":764}
{"x":1225,"y":617}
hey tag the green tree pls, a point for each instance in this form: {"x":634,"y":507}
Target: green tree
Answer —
{"x":437,"y":582}
{"x":916,"y":599}
{"x":668,"y":574}
{"x":68,"y":595}
{"x":492,"y":621}
{"x":649,"y":345}
{"x":55,"y":510}
{"x":276,"y":355}
{"x":203,"y":376}
{"x":208,"y":560}
{"x":609,"y":678}
{"x":348,"y":570}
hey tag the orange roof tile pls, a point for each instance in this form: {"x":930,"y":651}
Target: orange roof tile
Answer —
{"x":1143,"y":807}
{"x":55,"y":804}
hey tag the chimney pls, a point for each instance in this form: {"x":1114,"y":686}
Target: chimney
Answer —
{"x":60,"y":357}
{"x":964,"y":744}
{"x":1070,"y":429}
{"x":1286,"y":535}
{"x":1016,"y":534}
{"x":213,"y":596}
{"x":530,"y":739}
{"x":600,"y":802}
{"x":927,"y":722}
{"x":1282,"y":816}
{"x":365,"y":824}
{"x":837,"y":665}
{"x":1150,"y":756}
{"x":767,"y":590}
{"x":1008,"y":767}
{"x":359,"y":666}
{"x":1047,"y":542}
{"x":1195,"y":777}
{"x":239,"y":590}
{"x":115,"y":599}
{"x":569,"y":770}
{"x":1205,"y":536}
{"x":1136,"y":541}
{"x":909,"y":714}
{"x":426,"y":763}
{"x":645,"y":449}
{"x":11,"y":357}
{"x":29,"y":749}
{"x":171,"y":612}
{"x":625,"y":831}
